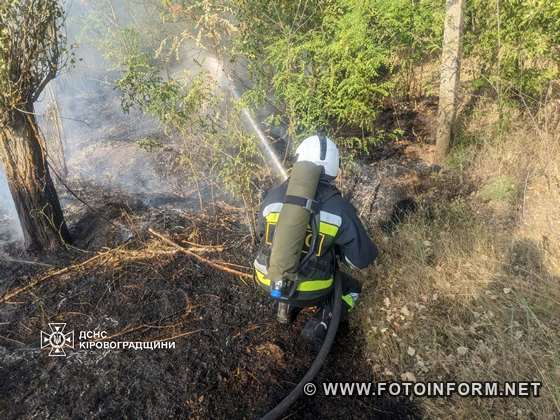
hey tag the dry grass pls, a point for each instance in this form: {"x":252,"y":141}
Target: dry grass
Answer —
{"x":469,"y":289}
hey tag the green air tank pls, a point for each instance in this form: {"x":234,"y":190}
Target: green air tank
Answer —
{"x":291,"y":230}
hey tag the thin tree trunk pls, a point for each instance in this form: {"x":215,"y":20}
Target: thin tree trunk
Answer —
{"x":60,"y":138}
{"x":22,"y":152}
{"x":450,"y":75}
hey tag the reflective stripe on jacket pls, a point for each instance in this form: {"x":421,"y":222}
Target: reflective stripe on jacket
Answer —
{"x":340,"y":232}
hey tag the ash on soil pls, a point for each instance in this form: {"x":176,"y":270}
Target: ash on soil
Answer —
{"x":236,"y":361}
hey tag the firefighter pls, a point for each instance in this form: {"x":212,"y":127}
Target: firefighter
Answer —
{"x":341,"y":237}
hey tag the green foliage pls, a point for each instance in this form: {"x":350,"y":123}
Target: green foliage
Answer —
{"x":500,"y":188}
{"x":355,"y":147}
{"x":516,"y":44}
{"x":174,"y":102}
{"x":461,"y":155}
{"x":465,"y":146}
{"x":32,"y":51}
{"x":145,"y":49}
{"x":121,"y":30}
{"x":188,"y":107}
{"x":332,"y":63}
{"x":135,"y":40}
{"x":238,"y":172}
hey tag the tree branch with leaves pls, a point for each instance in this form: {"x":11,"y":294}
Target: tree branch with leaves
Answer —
{"x":33,"y":50}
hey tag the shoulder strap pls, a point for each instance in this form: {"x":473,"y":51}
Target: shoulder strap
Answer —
{"x":311,"y":205}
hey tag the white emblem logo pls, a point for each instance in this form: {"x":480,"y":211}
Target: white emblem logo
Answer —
{"x":57,"y":340}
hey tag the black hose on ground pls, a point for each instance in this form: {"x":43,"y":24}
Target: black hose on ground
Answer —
{"x":292,"y":397}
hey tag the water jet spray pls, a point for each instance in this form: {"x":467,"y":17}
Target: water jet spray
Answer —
{"x":216,"y":69}
{"x":303,"y":183}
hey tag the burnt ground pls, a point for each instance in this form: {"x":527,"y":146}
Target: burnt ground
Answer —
{"x":231,"y":359}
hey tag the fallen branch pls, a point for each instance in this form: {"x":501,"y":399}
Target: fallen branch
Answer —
{"x":9,"y":295}
{"x":203,"y":246}
{"x":234,"y":265}
{"x":16,"y":260}
{"x":217,"y":265}
{"x":178,"y":335}
{"x":11,"y":339}
{"x":206,"y":250}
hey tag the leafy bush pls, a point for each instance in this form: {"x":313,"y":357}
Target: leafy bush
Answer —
{"x":516,"y":44}
{"x":145,"y":50}
{"x":119,"y":30}
{"x":175,"y":103}
{"x":333,"y":63}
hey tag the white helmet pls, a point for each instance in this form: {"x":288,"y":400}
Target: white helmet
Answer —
{"x":321,"y":151}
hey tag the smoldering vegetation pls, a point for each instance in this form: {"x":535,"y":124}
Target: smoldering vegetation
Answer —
{"x":97,"y":141}
{"x":94,"y":144}
{"x":466,"y":287}
{"x":90,"y":139}
{"x":101,"y":144}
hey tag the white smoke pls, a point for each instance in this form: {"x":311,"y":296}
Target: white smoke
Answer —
{"x":10,"y":229}
{"x":100,"y":141}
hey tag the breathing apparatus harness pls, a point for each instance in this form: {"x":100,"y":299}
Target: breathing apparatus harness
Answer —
{"x":300,"y":208}
{"x":313,"y":207}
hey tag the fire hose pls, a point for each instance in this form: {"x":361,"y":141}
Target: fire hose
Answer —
{"x":292,"y":397}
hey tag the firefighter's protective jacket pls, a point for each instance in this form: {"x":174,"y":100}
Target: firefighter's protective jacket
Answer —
{"x":340,"y":233}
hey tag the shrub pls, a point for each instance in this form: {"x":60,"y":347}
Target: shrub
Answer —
{"x":333,"y":63}
{"x":515,"y":43}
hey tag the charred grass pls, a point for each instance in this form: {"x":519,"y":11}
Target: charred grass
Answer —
{"x":231,"y":360}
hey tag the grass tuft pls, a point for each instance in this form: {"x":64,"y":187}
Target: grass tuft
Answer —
{"x":463,"y":293}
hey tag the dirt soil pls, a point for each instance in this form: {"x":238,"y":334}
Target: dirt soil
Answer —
{"x":231,"y":359}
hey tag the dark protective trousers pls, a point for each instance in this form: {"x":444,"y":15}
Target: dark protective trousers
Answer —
{"x":351,"y":289}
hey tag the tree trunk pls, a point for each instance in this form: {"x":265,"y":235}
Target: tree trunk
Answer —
{"x":450,"y":75}
{"x":23,"y":154}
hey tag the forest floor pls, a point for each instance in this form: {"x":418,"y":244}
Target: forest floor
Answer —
{"x":466,"y":288}
{"x":231,"y":358}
